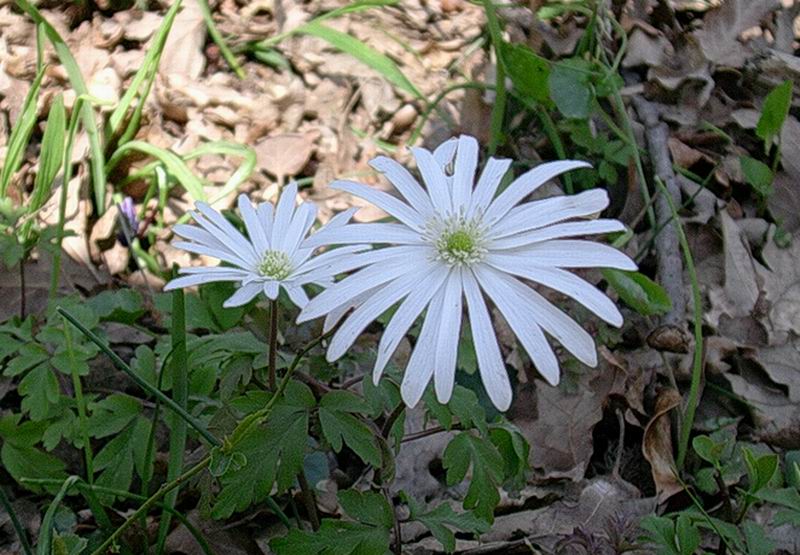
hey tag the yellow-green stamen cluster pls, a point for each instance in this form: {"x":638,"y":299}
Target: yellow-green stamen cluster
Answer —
{"x":275,"y":265}
{"x":458,"y":242}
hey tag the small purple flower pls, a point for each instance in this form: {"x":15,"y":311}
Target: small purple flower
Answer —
{"x":130,"y":226}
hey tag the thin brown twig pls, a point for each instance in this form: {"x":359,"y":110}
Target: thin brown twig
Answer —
{"x":309,"y":500}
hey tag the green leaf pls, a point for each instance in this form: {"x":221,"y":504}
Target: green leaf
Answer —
{"x":28,"y":356}
{"x":368,"y":507}
{"x":123,"y":305}
{"x":774,"y":112}
{"x":514,"y":449}
{"x":708,"y":450}
{"x":487,"y":463}
{"x":335,"y":537}
{"x":528,"y":71}
{"x":29,"y":462}
{"x":760,"y":470}
{"x":112,"y":414}
{"x":336,"y":416}
{"x":363,"y":53}
{"x":570,"y":88}
{"x":442,"y":519}
{"x":272,"y":453}
{"x":40,"y":391}
{"x":758,"y":543}
{"x":757,"y":174}
{"x":638,"y":291}
{"x":687,"y":535}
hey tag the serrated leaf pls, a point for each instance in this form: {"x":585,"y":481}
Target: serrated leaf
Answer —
{"x":638,"y":291}
{"x":368,"y":507}
{"x":335,"y":537}
{"x":124,"y":305}
{"x":28,"y":356}
{"x":774,"y":112}
{"x":40,"y":390}
{"x":339,"y":425}
{"x":467,"y":450}
{"x":272,"y":453}
{"x":112,"y":414}
{"x":30,"y":462}
{"x":441,"y":519}
{"x":514,"y":449}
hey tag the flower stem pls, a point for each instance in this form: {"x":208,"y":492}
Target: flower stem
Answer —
{"x":273,"y":343}
{"x":308,"y":499}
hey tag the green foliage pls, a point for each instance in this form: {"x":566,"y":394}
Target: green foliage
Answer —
{"x":638,"y":291}
{"x":467,"y":450}
{"x":757,"y":174}
{"x":528,"y":71}
{"x":337,"y":411}
{"x":570,"y":87}
{"x":442,"y":520}
{"x":270,"y":453}
{"x":673,"y":537}
{"x":774,"y":112}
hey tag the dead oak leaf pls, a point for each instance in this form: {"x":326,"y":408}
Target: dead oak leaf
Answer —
{"x":657,"y":445}
{"x":722,"y":27}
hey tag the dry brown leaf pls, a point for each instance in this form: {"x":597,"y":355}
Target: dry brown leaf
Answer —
{"x":719,"y":37}
{"x":647,"y":50}
{"x":183,"y":53}
{"x":657,"y":445}
{"x":782,"y":288}
{"x":284,"y":155}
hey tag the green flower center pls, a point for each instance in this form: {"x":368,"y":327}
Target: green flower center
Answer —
{"x":275,"y":265}
{"x":458,"y":242}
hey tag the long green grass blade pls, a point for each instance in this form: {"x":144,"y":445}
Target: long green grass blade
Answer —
{"x":20,"y":134}
{"x":142,"y":83}
{"x":51,"y":158}
{"x":97,"y":162}
{"x":363,"y":53}
{"x":219,"y":41}
{"x":179,"y":365}
{"x":44,"y":545}
{"x":173,"y":163}
{"x":155,"y":392}
{"x":15,"y":523}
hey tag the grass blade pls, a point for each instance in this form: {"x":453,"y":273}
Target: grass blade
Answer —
{"x":23,"y":536}
{"x":363,"y":53}
{"x":50,"y":160}
{"x":217,"y":38}
{"x":21,"y":134}
{"x":145,"y":76}
{"x":180,"y":390}
{"x":87,"y":113}
{"x":44,"y":545}
{"x":119,"y":363}
{"x":173,"y":163}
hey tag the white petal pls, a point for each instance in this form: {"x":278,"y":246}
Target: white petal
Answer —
{"x":344,"y":291}
{"x":297,"y":295}
{"x":301,"y":223}
{"x":338,"y":313}
{"x":366,"y":233}
{"x":557,"y":231}
{"x":283,"y":213}
{"x":555,"y":322}
{"x":574,"y":253}
{"x":230,"y":234}
{"x":443,"y":154}
{"x":266,"y":215}
{"x":490,"y":362}
{"x":339,"y":220}
{"x":243,"y":295}
{"x":271,"y":289}
{"x":420,"y":365}
{"x":327,"y":257}
{"x":255,"y":230}
{"x":405,"y":183}
{"x":435,"y":180}
{"x":525,"y":184}
{"x":490,"y":180}
{"x":225,"y":255}
{"x":562,"y":281}
{"x":382,"y":256}
{"x":200,"y":235}
{"x":405,"y":315}
{"x":522,"y":323}
{"x":464,"y":173}
{"x":199,"y":278}
{"x":386,"y":202}
{"x":448,"y":338}
{"x":545,"y":212}
{"x":373,"y":307}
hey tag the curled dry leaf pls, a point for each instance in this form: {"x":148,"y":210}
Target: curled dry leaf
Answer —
{"x":284,"y":155}
{"x":657,"y":445}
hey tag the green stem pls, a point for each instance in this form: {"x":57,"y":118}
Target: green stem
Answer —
{"x":697,"y":362}
{"x":220,"y":42}
{"x":555,"y":139}
{"x":15,"y":523}
{"x":499,"y":107}
{"x":81,"y":402}
{"x":273,"y":343}
{"x":119,"y":363}
{"x":426,"y":114}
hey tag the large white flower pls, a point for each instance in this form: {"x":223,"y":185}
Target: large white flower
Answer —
{"x":277,"y":253}
{"x":454,"y":242}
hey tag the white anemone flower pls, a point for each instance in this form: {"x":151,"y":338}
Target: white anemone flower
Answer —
{"x":276,"y":255}
{"x":455,"y":242}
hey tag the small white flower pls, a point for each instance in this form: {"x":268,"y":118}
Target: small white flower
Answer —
{"x":277,"y":253}
{"x":454,"y":242}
